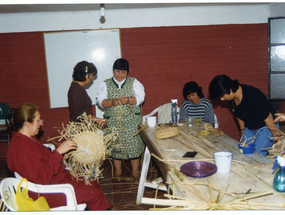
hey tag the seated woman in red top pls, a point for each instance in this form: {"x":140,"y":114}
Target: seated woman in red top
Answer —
{"x":27,"y":156}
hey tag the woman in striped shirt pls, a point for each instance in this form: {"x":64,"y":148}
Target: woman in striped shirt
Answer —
{"x":195,"y":104}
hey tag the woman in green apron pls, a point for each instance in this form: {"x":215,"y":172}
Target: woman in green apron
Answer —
{"x":121,"y":97}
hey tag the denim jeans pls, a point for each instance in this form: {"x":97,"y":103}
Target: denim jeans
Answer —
{"x":260,"y":137}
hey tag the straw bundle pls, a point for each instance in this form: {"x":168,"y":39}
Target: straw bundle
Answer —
{"x":203,"y":133}
{"x":277,"y":149}
{"x":198,"y":144}
{"x":166,"y":132}
{"x":209,"y":130}
{"x":211,"y":202}
{"x":92,"y":148}
{"x":198,"y":122}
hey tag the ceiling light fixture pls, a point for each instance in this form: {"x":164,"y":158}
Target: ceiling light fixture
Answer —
{"x":102,"y":13}
{"x":102,"y":10}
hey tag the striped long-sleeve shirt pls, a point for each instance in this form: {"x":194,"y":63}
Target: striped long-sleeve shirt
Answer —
{"x":203,"y":109}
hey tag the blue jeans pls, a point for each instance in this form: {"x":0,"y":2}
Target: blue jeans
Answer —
{"x":260,"y":137}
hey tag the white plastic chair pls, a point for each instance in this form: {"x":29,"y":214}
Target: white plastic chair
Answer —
{"x":156,"y":184}
{"x":8,"y":185}
{"x":49,"y":145}
{"x":164,"y":113}
{"x":165,"y":110}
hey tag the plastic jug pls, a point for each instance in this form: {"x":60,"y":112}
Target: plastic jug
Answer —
{"x":279,"y":178}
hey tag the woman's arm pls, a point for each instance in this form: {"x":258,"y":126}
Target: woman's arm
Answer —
{"x":271,"y":125}
{"x":209,"y":115}
{"x":139,"y":93}
{"x":241,"y":126}
{"x":34,"y":162}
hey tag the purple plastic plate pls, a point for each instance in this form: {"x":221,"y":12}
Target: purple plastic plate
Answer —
{"x":198,"y":169}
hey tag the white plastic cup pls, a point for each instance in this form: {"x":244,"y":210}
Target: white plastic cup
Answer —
{"x":151,"y":121}
{"x":223,"y":161}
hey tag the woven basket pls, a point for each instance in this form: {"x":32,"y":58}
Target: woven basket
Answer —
{"x":167,"y":132}
{"x":91,"y":148}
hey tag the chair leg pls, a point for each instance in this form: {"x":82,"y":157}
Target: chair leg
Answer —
{"x":144,"y":172}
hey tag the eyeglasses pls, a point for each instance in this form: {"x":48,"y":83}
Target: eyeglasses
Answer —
{"x":40,"y":121}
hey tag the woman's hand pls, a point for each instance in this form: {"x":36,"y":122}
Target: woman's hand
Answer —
{"x":101,"y":122}
{"x":115,"y":102}
{"x":280,"y":117}
{"x":271,"y":125}
{"x":125,"y":100}
{"x":66,"y":146}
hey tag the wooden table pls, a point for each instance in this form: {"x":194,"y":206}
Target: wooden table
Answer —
{"x":250,"y":172}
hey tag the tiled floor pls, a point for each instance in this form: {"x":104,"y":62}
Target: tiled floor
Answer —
{"x":122,"y":195}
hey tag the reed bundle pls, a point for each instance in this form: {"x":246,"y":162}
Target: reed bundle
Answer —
{"x":234,"y":202}
{"x":195,"y":143}
{"x":209,"y":130}
{"x":198,"y":122}
{"x":204,"y":133}
{"x":92,"y":148}
{"x":277,"y":149}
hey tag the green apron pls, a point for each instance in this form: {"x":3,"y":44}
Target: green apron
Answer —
{"x":125,"y":119}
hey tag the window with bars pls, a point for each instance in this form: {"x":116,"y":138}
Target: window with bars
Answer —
{"x":276,"y":59}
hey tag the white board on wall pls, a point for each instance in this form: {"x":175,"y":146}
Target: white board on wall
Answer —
{"x":65,"y":49}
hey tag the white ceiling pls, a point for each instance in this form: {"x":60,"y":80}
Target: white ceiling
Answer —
{"x":28,"y":8}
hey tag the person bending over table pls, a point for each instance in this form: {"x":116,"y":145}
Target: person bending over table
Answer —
{"x":195,"y":104}
{"x":254,"y":113}
{"x":28,"y":157}
{"x":121,"y":97}
{"x":78,"y":99}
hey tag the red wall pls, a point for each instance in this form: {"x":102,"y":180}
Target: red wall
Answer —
{"x":163,"y":59}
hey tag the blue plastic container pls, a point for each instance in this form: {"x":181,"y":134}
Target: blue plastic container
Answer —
{"x":249,"y":149}
{"x":279,"y":178}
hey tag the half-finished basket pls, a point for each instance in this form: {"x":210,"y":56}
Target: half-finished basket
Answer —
{"x":167,"y":132}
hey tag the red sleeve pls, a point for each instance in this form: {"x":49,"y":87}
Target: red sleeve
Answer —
{"x":34,"y":161}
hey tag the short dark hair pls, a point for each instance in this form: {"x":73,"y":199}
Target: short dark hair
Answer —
{"x":82,"y":69}
{"x":121,"y":64}
{"x":221,"y":85}
{"x":192,"y":87}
